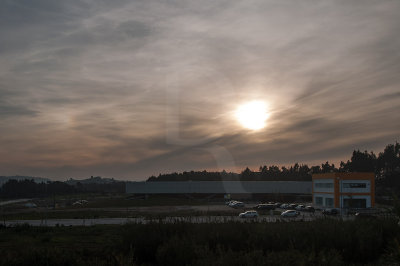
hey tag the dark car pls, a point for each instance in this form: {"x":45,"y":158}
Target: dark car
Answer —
{"x":309,"y":209}
{"x":292,"y":206}
{"x":330,"y":212}
{"x":290,"y":213}
{"x":265,"y":207}
{"x":362,"y":215}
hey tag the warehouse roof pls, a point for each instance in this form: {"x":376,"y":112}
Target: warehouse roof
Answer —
{"x":220,"y":187}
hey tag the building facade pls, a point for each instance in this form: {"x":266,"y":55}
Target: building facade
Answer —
{"x":344,"y":190}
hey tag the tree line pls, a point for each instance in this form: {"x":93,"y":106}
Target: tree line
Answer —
{"x":28,"y":188}
{"x":386,"y":166}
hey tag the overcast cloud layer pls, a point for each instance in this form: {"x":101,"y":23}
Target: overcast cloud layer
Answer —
{"x":128,"y":89}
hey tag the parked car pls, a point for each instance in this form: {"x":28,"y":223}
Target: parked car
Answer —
{"x":284,"y":206}
{"x":363,"y":215}
{"x":290,"y":213}
{"x":330,"y":212}
{"x":265,"y":207}
{"x":292,"y":206}
{"x":237,"y":204}
{"x":277,"y":204}
{"x":229,"y":203}
{"x":249,"y":214}
{"x":309,"y":209}
{"x":300,"y":207}
{"x":232,"y":202}
{"x":80,"y":202}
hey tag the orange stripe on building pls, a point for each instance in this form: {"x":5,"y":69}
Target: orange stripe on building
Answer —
{"x":337,"y":196}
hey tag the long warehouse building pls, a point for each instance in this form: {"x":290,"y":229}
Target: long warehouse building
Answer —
{"x":220,"y":187}
{"x":328,"y":190}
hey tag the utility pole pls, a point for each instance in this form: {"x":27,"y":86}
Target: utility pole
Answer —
{"x":4,"y":216}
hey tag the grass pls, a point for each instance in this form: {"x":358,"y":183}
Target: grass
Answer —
{"x":321,"y":242}
{"x":61,"y":215}
{"x":115,"y":200}
{"x":98,"y":200}
{"x":110,"y":206}
{"x":127,"y":201}
{"x":94,"y":214}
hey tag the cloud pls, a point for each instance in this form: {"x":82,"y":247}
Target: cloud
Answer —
{"x":128,"y":89}
{"x":12,"y":110}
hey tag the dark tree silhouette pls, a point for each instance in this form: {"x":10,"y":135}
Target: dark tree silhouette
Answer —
{"x":360,"y":162}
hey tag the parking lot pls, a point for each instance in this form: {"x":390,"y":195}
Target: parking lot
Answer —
{"x":228,"y":214}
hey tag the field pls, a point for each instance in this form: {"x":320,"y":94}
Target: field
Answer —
{"x":117,"y":206}
{"x":102,"y":206}
{"x":320,"y":242}
{"x":159,"y":241}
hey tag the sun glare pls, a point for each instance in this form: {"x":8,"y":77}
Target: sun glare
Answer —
{"x":252,"y":115}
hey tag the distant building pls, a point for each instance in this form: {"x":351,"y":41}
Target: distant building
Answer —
{"x":344,"y":190}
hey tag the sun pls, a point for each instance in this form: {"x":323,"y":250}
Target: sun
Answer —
{"x":252,"y":115}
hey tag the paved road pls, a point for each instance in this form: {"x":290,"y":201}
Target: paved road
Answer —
{"x":193,"y":219}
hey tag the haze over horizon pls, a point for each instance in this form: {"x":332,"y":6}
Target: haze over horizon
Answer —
{"x":131,"y":89}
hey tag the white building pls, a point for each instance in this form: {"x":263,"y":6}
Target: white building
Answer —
{"x":344,"y":190}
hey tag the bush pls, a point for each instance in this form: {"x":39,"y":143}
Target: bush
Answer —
{"x":320,"y":242}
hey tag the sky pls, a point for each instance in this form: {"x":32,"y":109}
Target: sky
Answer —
{"x":129,"y":89}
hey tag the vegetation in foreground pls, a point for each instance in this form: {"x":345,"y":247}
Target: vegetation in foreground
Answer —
{"x":96,"y":214}
{"x":321,"y":242}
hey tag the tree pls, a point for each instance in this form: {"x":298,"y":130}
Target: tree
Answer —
{"x":327,"y":168}
{"x":389,"y":159}
{"x":246,"y":174}
{"x":360,"y":162}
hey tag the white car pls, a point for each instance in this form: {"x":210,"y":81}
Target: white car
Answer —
{"x":237,"y":204}
{"x":229,"y":202}
{"x":289,"y":213}
{"x":232,"y":202}
{"x":248,"y":214}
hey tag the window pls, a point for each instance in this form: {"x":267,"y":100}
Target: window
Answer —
{"x":354,"y":185}
{"x":329,"y":202}
{"x":318,"y":200}
{"x":323,"y":185}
